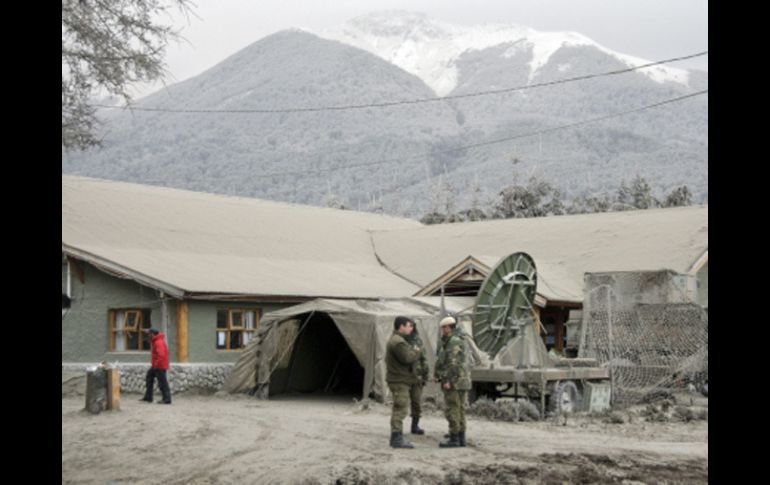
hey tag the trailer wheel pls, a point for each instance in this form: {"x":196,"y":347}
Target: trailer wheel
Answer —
{"x":565,"y":398}
{"x":483,"y":389}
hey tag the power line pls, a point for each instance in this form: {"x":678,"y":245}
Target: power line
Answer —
{"x":476,"y":145}
{"x":491,"y":142}
{"x":404,"y":102}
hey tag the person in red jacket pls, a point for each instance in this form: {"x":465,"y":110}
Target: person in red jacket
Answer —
{"x":159,"y":367}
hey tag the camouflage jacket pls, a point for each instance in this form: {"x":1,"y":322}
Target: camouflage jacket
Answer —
{"x":453,"y":363}
{"x":420,"y":368}
{"x":399,"y":361}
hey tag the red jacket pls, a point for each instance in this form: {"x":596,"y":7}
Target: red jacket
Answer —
{"x":159,"y":351}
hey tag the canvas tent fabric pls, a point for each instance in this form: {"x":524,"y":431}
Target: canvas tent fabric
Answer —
{"x":365,"y":325}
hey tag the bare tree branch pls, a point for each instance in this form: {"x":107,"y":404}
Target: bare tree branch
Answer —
{"x":108,"y":45}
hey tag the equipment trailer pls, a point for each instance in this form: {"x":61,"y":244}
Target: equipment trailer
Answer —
{"x":520,"y":367}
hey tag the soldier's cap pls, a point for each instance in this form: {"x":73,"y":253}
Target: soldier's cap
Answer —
{"x":447,"y":321}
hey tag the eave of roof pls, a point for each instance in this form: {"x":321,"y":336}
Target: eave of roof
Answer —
{"x":119,"y":269}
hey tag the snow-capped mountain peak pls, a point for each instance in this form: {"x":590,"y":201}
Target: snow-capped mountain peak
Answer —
{"x":430,"y":48}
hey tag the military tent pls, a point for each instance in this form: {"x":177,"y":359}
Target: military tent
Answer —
{"x":328,"y":345}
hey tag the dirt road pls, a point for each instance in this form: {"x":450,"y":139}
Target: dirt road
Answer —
{"x":237,"y":439}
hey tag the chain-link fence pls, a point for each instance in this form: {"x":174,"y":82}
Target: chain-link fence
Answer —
{"x":646,"y":328}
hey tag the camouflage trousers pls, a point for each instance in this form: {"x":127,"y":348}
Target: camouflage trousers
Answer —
{"x":400,"y":409}
{"x":415,"y":395}
{"x":454,"y":403}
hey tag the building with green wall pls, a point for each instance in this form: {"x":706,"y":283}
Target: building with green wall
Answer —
{"x":204,"y":268}
{"x":87,"y":323}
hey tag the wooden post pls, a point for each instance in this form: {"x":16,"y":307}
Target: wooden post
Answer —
{"x":112,"y":331}
{"x":181,"y":332}
{"x":113,"y":389}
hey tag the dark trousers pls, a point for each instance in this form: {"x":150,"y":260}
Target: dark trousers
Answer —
{"x":160,"y":374}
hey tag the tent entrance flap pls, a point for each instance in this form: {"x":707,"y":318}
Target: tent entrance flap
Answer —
{"x":321,"y":362}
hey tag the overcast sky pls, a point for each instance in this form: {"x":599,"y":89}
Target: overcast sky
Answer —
{"x":650,"y":29}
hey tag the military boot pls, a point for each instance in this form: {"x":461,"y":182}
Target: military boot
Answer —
{"x":452,"y":442}
{"x":416,"y":426}
{"x":397,"y":440}
{"x":461,"y":438}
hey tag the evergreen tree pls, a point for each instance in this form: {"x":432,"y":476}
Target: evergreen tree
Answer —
{"x":433,"y":217}
{"x":680,"y":196}
{"x":474,"y":212}
{"x":636,"y":196}
{"x":624,"y":199}
{"x":537,"y":199}
{"x":641,"y":193}
{"x":589,"y":204}
{"x":442,"y":203}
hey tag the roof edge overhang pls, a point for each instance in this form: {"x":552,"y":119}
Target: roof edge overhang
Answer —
{"x":268,"y":298}
{"x":560,"y":303}
{"x":540,"y":300}
{"x":120,"y":270}
{"x":179,"y":293}
{"x":453,"y":272}
{"x":699,"y":263}
{"x":472,"y":262}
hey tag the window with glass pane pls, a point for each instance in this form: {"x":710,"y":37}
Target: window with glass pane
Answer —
{"x":235,"y":327}
{"x":221,"y":318}
{"x":126,"y":327}
{"x":236,"y":318}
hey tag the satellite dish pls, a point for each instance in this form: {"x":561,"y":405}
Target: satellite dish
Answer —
{"x":504,"y":302}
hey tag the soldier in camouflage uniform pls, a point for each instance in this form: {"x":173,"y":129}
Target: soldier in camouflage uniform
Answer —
{"x":399,"y":360}
{"x":422,"y":372}
{"x":453,"y":372}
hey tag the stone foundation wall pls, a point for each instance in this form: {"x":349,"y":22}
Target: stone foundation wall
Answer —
{"x":181,"y":377}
